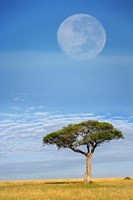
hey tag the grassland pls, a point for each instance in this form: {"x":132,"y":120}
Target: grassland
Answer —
{"x":72,"y":189}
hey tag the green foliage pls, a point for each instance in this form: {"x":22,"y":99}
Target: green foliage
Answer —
{"x":98,"y":132}
{"x":91,"y":133}
{"x":64,"y":137}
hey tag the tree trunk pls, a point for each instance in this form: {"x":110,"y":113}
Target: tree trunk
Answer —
{"x":87,"y":177}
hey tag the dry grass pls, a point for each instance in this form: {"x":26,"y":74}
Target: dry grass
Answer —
{"x":72,"y":189}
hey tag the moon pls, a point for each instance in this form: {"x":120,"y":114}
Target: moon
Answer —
{"x":81,"y":36}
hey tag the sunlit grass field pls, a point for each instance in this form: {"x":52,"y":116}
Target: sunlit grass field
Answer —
{"x":70,"y":189}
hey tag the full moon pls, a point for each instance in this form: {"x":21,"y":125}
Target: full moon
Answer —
{"x":81,"y":36}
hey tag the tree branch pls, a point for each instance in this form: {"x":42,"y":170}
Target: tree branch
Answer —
{"x":78,"y":150}
{"x":88,"y":148}
{"x":93,"y":147}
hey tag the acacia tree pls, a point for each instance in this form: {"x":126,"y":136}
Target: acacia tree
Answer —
{"x":90,"y":134}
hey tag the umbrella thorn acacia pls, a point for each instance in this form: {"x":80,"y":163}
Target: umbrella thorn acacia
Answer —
{"x":90,"y":134}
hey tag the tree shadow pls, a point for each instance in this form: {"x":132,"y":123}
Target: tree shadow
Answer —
{"x":63,"y":182}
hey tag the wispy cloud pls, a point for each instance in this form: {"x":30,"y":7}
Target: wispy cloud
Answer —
{"x":20,"y":97}
{"x":23,"y":132}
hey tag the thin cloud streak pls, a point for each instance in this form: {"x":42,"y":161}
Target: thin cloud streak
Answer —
{"x":41,"y":59}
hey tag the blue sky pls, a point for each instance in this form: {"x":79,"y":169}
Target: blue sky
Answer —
{"x":41,"y":89}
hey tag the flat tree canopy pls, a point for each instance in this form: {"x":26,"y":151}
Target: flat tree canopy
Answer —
{"x":90,"y":134}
